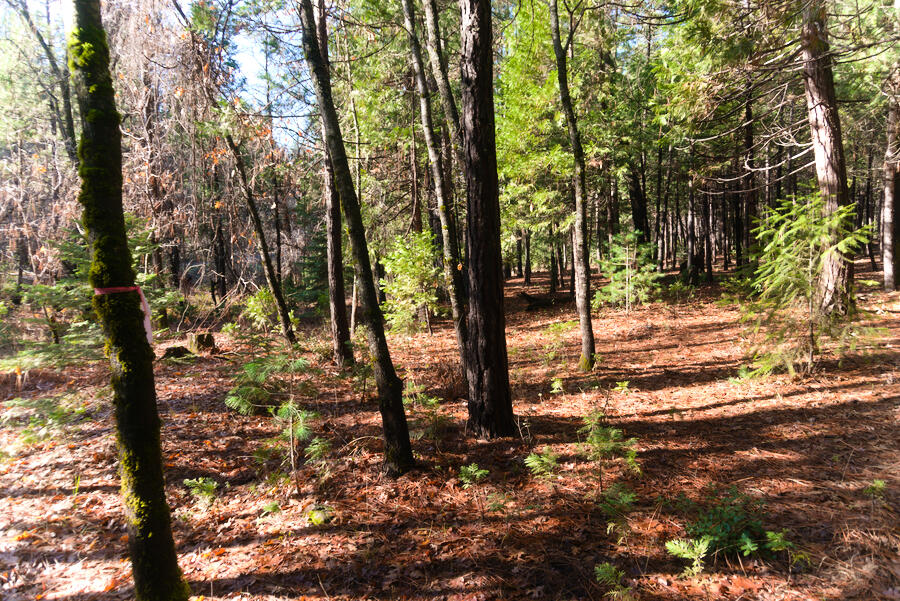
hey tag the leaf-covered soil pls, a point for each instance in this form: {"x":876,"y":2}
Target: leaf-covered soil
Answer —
{"x":810,"y":448}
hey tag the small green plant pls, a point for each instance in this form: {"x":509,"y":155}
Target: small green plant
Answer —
{"x":556,"y":386}
{"x":317,"y":449}
{"x":796,"y":239}
{"x":543,"y":464}
{"x":679,"y":291}
{"x":693,"y":550}
{"x":616,"y":503}
{"x":471,"y":474}
{"x":876,"y":489}
{"x":730,"y":522}
{"x":611,"y":577}
{"x":260,"y":309}
{"x":202,"y":489}
{"x":633,"y":278}
{"x":271,"y":508}
{"x":320,"y":515}
{"x":603,"y":442}
{"x":425,"y":409}
{"x":497,"y":502}
{"x":256,"y":391}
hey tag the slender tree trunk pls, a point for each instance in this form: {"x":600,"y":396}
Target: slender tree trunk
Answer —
{"x":284,"y":317}
{"x":580,"y":260}
{"x":118,"y":306}
{"x":890,"y":240}
{"x":337,"y":300}
{"x":835,"y":294}
{"x":439,"y":71}
{"x":397,"y":449}
{"x":451,"y":264}
{"x":490,"y":399}
{"x":527,"y":235}
{"x":638,"y":204}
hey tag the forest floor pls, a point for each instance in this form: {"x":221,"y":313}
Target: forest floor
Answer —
{"x":811,"y":449}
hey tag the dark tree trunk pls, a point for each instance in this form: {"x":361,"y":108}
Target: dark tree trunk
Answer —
{"x":692,"y":267}
{"x":638,"y":204}
{"x":835,"y":294}
{"x":337,"y":299}
{"x":519,"y":255}
{"x":118,"y":306}
{"x":554,"y":273}
{"x":752,"y":195}
{"x":397,"y":449}
{"x":490,"y":399}
{"x":707,"y":237}
{"x":451,"y":264}
{"x":581,"y":279}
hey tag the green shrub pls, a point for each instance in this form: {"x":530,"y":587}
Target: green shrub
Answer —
{"x":543,"y":464}
{"x":202,"y":489}
{"x":413,"y":276}
{"x":632,"y":274}
{"x":471,"y":474}
{"x":795,"y":240}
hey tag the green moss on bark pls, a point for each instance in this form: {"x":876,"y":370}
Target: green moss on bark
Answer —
{"x":151,"y":545}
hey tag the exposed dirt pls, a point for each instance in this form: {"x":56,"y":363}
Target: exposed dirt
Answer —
{"x":807,"y":447}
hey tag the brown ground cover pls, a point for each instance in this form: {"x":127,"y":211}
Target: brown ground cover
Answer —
{"x":807,"y":447}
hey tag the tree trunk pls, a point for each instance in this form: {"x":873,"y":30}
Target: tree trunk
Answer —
{"x":527,"y":235}
{"x":835,"y":293}
{"x":490,"y":399}
{"x":451,"y":263}
{"x":580,"y":260}
{"x":439,"y":71}
{"x":337,"y":300}
{"x":284,"y":317}
{"x":890,"y":245}
{"x":118,"y":306}
{"x":397,"y":449}
{"x":638,"y":204}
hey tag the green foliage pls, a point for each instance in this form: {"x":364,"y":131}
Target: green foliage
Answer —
{"x":202,"y":489}
{"x":317,"y":449}
{"x":42,"y":418}
{"x":413,"y":274}
{"x":602,"y":441}
{"x":271,"y":508}
{"x":255,"y":391}
{"x":726,"y":522}
{"x":611,"y":577}
{"x":679,"y":291}
{"x":556,"y":386}
{"x":795,"y":240}
{"x":425,"y":410}
{"x":876,"y":489}
{"x":543,"y":464}
{"x":260,"y":309}
{"x":320,"y":515}
{"x":470,"y":475}
{"x":632,"y":274}
{"x":693,"y":550}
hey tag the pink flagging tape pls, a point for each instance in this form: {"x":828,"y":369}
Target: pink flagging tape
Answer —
{"x":148,"y":329}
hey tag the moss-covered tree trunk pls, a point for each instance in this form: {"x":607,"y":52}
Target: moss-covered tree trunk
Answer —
{"x":397,"y":449}
{"x":152,"y":548}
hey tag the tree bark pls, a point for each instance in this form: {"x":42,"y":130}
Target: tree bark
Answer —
{"x":397,"y":449}
{"x":490,"y":399}
{"x":439,"y":71}
{"x":890,"y":245}
{"x":451,"y":263}
{"x":337,"y":301}
{"x":151,"y":545}
{"x":835,"y":293}
{"x":581,"y":263}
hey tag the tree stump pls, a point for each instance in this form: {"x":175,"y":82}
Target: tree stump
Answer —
{"x":202,"y":342}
